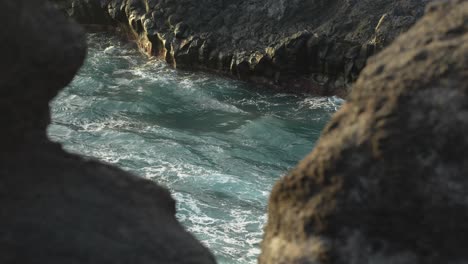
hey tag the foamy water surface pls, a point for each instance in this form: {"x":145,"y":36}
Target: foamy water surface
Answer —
{"x":217,"y":144}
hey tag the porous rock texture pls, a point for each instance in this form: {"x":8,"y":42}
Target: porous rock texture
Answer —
{"x":316,"y":46}
{"x":57,"y":207}
{"x":387,"y":182}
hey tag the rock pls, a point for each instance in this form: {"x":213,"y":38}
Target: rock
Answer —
{"x":56,"y":207}
{"x":86,"y":11}
{"x":386,"y":182}
{"x":281,"y":28}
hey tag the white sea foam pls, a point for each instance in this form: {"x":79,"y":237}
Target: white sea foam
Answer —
{"x":110,"y":50}
{"x":328,"y":103}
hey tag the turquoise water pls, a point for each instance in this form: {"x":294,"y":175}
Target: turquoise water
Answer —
{"x":217,"y":144}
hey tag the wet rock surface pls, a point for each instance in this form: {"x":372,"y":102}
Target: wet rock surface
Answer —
{"x":303,"y":46}
{"x":57,"y":207}
{"x":386,"y":183}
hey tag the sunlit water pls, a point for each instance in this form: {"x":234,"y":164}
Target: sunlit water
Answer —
{"x":217,"y":144}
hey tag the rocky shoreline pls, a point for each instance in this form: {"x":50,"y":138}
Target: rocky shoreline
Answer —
{"x":317,"y":47}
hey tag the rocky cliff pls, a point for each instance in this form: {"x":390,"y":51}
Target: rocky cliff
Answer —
{"x":300,"y":45}
{"x":387,"y":181}
{"x":56,"y":207}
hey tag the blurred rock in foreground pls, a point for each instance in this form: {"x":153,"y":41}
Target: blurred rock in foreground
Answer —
{"x":59,"y":208}
{"x":387,"y":183}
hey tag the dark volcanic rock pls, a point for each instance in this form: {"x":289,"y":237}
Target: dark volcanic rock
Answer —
{"x":56,"y":207}
{"x":300,"y":45}
{"x":86,"y":11}
{"x":387,"y":181}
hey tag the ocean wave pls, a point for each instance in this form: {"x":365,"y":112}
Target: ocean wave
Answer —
{"x":216,"y":144}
